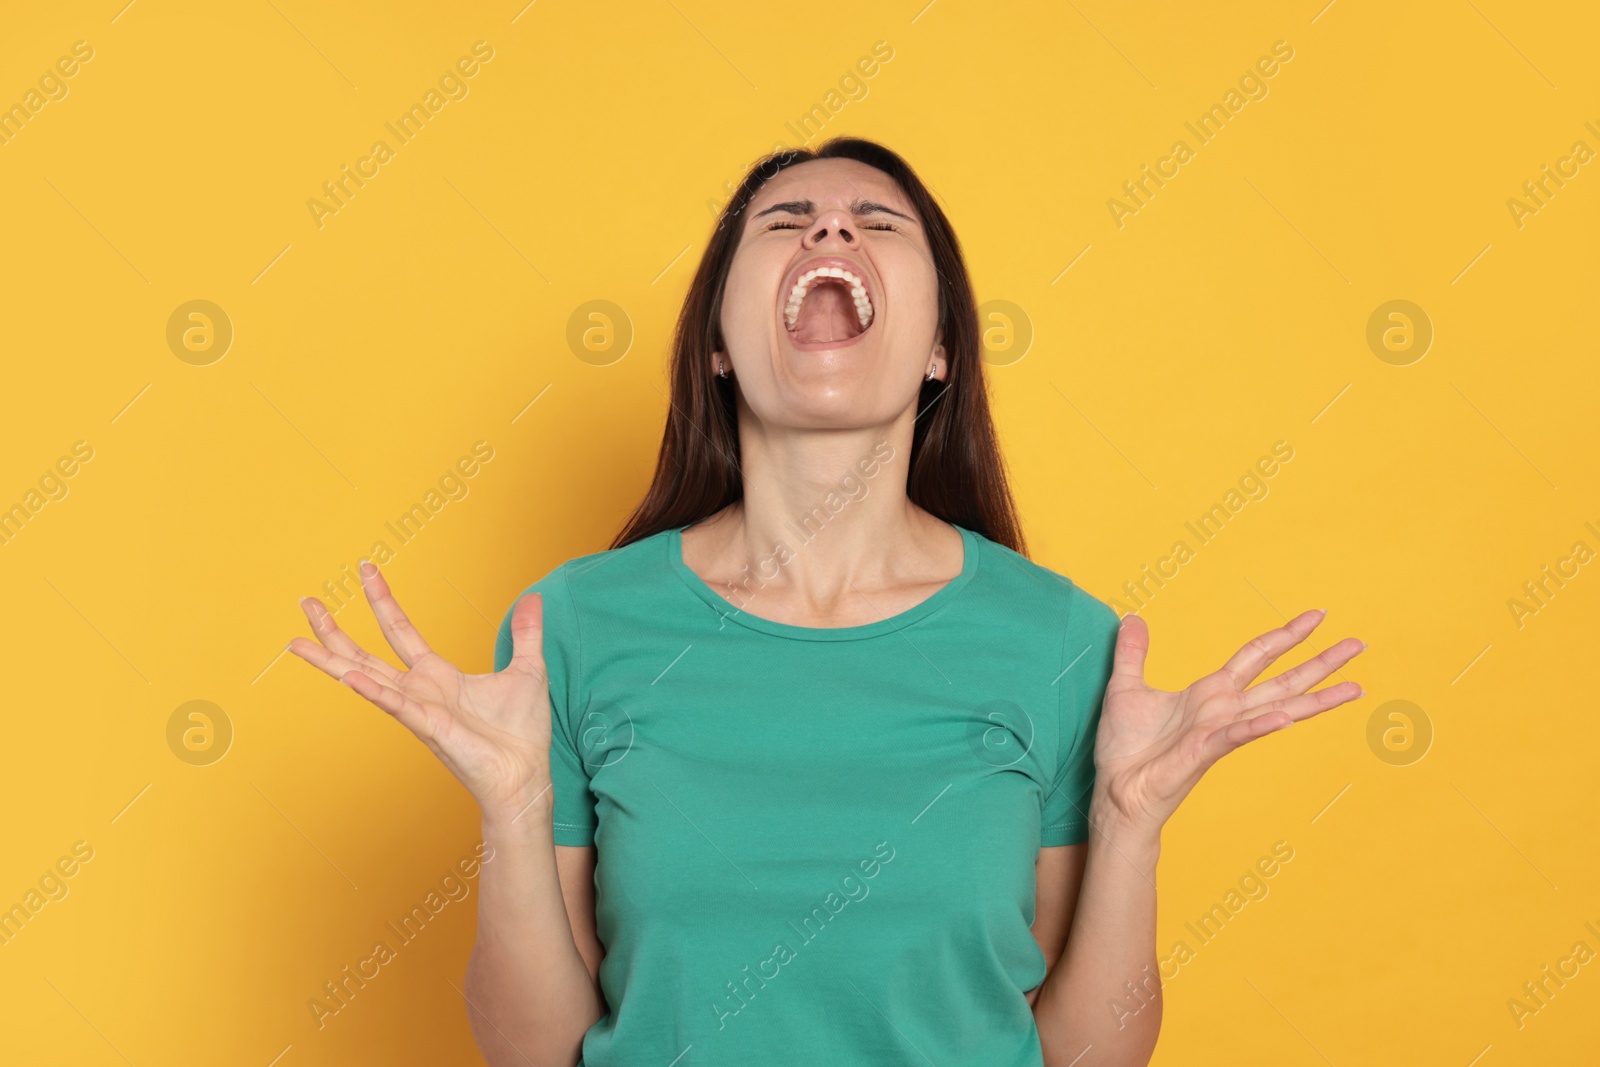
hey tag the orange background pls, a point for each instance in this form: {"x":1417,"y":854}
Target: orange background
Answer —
{"x":433,"y":310}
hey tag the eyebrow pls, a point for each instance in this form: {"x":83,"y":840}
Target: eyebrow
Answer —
{"x":808,"y":207}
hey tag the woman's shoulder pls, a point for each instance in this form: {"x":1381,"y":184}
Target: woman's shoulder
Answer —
{"x":608,"y":572}
{"x":1025,"y":582}
{"x":587,"y":590}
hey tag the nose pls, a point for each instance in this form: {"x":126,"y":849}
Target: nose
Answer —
{"x":835,"y":223}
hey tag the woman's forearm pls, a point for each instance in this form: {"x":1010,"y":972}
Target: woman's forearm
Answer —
{"x":530,"y":996}
{"x":1100,"y":1005}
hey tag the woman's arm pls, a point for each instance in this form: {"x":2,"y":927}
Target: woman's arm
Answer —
{"x":1057,"y":876}
{"x":1151,"y":748}
{"x":1101,"y":1002}
{"x":530,"y":983}
{"x":532,"y":986}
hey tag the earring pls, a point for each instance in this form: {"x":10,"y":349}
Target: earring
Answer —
{"x":931,"y":367}
{"x":722,"y":371}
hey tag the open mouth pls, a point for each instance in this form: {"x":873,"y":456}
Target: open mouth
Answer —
{"x":827,"y":307}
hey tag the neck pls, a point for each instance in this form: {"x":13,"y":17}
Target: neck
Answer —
{"x":826,"y":515}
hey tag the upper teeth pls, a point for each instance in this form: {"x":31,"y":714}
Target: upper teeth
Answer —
{"x":797,"y":295}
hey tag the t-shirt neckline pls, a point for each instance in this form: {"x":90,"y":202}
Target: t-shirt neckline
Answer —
{"x":673,"y":545}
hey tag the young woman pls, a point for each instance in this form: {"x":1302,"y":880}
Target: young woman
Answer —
{"x":813,"y":765}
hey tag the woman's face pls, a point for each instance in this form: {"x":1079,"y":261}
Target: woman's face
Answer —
{"x":853,"y":351}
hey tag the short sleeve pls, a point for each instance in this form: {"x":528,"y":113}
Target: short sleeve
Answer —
{"x":1086,"y":656}
{"x":574,"y":819}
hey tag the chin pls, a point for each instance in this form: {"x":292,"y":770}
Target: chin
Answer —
{"x":849,"y":367}
{"x":836,"y":387}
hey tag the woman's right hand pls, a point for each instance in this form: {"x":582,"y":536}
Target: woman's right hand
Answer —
{"x":491,"y":730}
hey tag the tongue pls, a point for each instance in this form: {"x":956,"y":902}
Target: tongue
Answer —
{"x":828,"y":314}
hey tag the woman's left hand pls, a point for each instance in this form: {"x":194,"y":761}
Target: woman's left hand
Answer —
{"x":1153,"y":746}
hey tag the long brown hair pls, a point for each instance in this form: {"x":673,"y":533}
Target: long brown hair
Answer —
{"x":956,"y":470}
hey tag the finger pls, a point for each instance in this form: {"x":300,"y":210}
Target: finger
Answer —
{"x":1276,"y":716}
{"x":527,"y":636}
{"x":330,"y":663}
{"x":1260,"y":652}
{"x":1303,"y":676}
{"x":1133,"y":642}
{"x":341,"y":643}
{"x":412,"y":716}
{"x":397,"y":629}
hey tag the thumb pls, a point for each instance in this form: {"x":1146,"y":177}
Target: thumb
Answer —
{"x":527,"y":636}
{"x":1133,"y":641}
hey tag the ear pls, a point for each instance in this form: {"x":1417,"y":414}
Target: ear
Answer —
{"x":720,"y":358}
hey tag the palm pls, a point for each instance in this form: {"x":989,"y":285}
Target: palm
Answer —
{"x":491,"y":730}
{"x":484,"y":724}
{"x":1153,"y":746}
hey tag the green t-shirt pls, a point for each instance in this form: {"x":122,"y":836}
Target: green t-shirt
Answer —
{"x":817,"y":845}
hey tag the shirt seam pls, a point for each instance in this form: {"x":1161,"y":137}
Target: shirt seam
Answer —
{"x":574,"y":692}
{"x":1058,"y":771}
{"x":577,"y":626}
{"x":575,"y":679}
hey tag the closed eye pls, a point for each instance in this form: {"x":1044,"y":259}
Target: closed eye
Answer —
{"x":797,"y":226}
